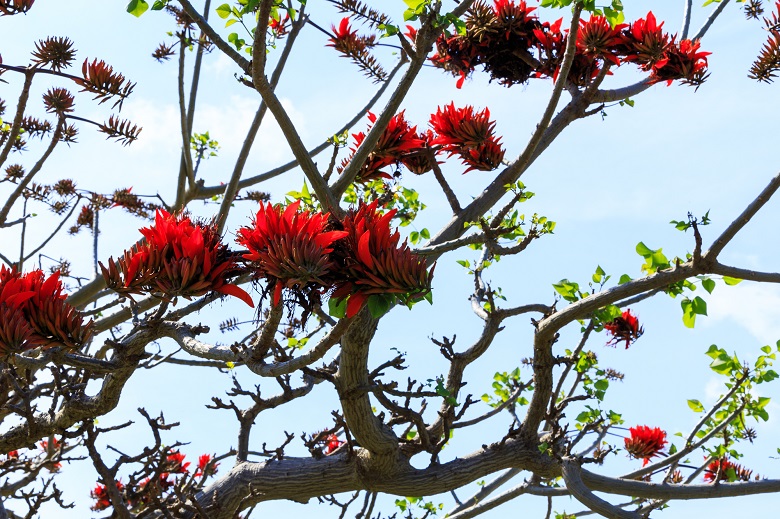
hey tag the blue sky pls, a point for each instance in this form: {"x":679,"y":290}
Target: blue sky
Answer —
{"x":609,"y":183}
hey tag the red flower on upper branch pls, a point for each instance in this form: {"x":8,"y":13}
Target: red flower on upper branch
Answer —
{"x":397,"y":141}
{"x":645,"y":42}
{"x":461,"y":131}
{"x":179,"y":258}
{"x":347,"y":41}
{"x":624,"y":327}
{"x":174,"y":463}
{"x":206,"y":466}
{"x":101,"y":497}
{"x":725,"y":470}
{"x":332,"y":443}
{"x":374,"y":262}
{"x":100,"y":79}
{"x":279,"y":27}
{"x":290,"y":248}
{"x":684,"y":61}
{"x":645,"y":442}
{"x":34,"y":313}
{"x":596,"y":38}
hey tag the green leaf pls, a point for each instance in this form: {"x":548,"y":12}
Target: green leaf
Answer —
{"x":731,"y":281}
{"x":337,"y":307}
{"x":699,"y":306}
{"x":158,"y":5}
{"x":223,"y":11}
{"x":137,"y":7}
{"x":602,"y":384}
{"x":689,"y":316}
{"x":766,"y":349}
{"x":696,"y":406}
{"x":625,"y":278}
{"x":380,"y":304}
{"x":708,"y":285}
{"x":643,"y":250}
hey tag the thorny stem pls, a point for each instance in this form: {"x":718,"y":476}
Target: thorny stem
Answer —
{"x":16,"y":126}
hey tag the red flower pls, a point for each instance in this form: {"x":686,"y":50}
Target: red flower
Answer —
{"x":645,"y":442}
{"x":51,"y":452}
{"x":332,"y":443}
{"x":624,"y":327}
{"x":290,"y":248}
{"x":596,"y":38}
{"x":397,"y":140}
{"x":279,"y":27}
{"x":645,"y":42}
{"x":463,"y":132}
{"x":12,"y":454}
{"x":683,"y":61}
{"x":174,"y":463}
{"x":102,"y":499}
{"x":497,"y":37}
{"x":374,"y":262}
{"x":724,"y":470}
{"x":179,"y":258}
{"x":33,"y":312}
{"x":418,"y":161}
{"x":206,"y":466}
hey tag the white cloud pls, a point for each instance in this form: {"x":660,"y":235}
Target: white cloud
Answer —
{"x":160,"y":123}
{"x":752,"y":306}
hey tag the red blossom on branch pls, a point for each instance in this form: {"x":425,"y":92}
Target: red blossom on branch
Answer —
{"x":33,"y":312}
{"x":290,"y":247}
{"x":179,"y":258}
{"x":624,"y":327}
{"x":645,"y":42}
{"x":725,"y":470}
{"x":684,"y":61}
{"x":596,"y":38}
{"x":645,"y":442}
{"x":206,"y":466}
{"x":398,"y":140}
{"x":374,"y":262}
{"x":101,"y":497}
{"x":279,"y":27}
{"x":174,"y":463}
{"x":332,"y":443}
{"x":469,"y":134}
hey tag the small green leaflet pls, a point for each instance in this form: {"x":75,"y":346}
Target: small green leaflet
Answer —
{"x":137,"y":7}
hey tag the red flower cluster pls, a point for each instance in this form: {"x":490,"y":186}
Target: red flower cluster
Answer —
{"x":512,"y":45}
{"x":457,"y":131}
{"x":645,"y":442}
{"x":33,"y":313}
{"x":174,"y":463}
{"x":396,"y":143}
{"x":206,"y":466}
{"x":100,"y":495}
{"x":470,"y":135}
{"x":179,"y":258}
{"x":373,"y":262}
{"x":312,"y":253}
{"x":279,"y":27}
{"x":724,"y":470}
{"x":624,"y":327}
{"x":49,"y":452}
{"x":332,"y":443}
{"x":290,"y":248}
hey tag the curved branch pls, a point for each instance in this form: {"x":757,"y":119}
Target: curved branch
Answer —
{"x":572,"y":475}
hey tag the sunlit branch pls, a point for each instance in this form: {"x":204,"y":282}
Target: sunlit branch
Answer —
{"x":710,"y":20}
{"x":232,"y":187}
{"x":572,"y":475}
{"x":215,"y":38}
{"x":715,"y":249}
{"x":16,"y":125}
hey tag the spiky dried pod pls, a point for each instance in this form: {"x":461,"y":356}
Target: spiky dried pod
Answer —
{"x":58,"y":100}
{"x":14,"y":172}
{"x":754,"y":9}
{"x":120,"y":129}
{"x":56,"y":53}
{"x":358,"y":10}
{"x":163,"y":52}
{"x":35,"y":127}
{"x":65,"y":187}
{"x":100,"y":79}
{"x":69,"y":134}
